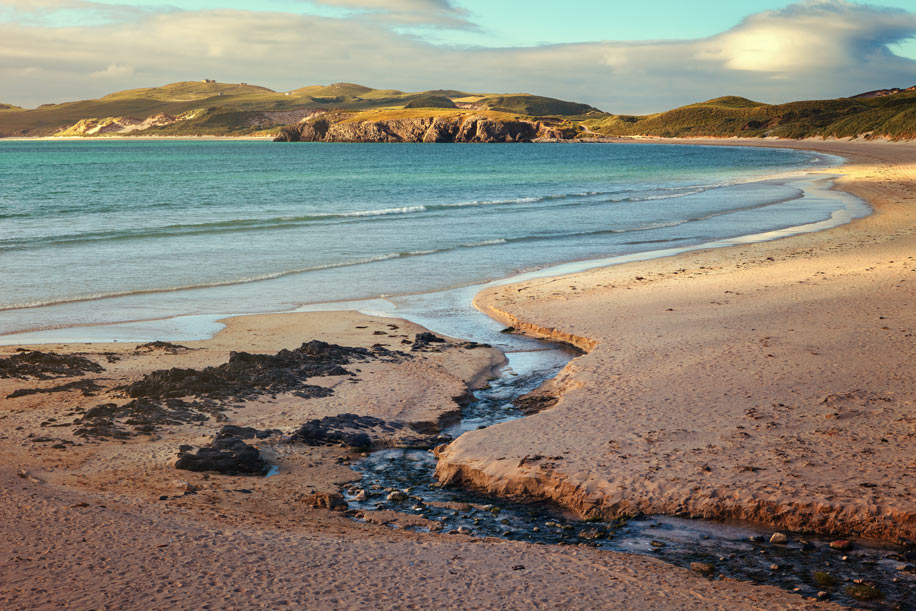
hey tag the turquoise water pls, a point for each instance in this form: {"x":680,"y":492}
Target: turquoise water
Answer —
{"x":105,"y":231}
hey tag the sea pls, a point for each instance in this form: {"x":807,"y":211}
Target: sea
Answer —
{"x":133,"y":240}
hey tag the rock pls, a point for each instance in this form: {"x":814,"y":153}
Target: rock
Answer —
{"x":46,"y":365}
{"x":350,"y":430}
{"x":841,"y":545}
{"x":397,"y":496}
{"x":423,"y":340}
{"x":361,"y":496}
{"x":229,"y":456}
{"x":326,"y":500}
{"x":779,"y":538}
{"x":464,"y":530}
{"x":591,"y":534}
{"x":336,"y":127}
{"x":704,"y":568}
{"x":534,"y":403}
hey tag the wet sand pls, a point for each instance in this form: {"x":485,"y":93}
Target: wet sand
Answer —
{"x":770,"y":382}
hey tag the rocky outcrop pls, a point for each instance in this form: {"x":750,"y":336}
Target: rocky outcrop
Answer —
{"x":450,"y":128}
{"x":227,"y":453}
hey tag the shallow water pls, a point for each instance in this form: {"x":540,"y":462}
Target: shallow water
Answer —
{"x":111,"y":231}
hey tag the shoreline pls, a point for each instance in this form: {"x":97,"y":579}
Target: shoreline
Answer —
{"x":767,"y":454}
{"x":805,"y":179}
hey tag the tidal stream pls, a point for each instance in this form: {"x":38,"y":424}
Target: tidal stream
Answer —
{"x":870,"y":575}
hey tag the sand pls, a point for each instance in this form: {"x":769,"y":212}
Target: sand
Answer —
{"x":770,"y":382}
{"x":112,"y":524}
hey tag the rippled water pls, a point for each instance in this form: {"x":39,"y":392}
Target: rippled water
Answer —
{"x":139,"y":230}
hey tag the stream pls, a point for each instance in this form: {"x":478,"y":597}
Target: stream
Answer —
{"x":870,"y":575}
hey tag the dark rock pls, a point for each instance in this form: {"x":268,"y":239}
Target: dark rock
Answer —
{"x":533,"y":403}
{"x":248,"y":375}
{"x":360,"y":432}
{"x":244,"y":432}
{"x":145,"y":415}
{"x":87,"y":387}
{"x":229,"y":456}
{"x":423,"y":340}
{"x":46,"y":365}
{"x":160,"y":345}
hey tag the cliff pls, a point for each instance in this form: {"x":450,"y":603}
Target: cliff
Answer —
{"x":441,"y":128}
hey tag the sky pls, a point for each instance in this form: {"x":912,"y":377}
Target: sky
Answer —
{"x":620,"y":56}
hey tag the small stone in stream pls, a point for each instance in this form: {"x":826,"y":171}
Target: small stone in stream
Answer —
{"x":841,"y":545}
{"x":774,"y":567}
{"x":704,"y":568}
{"x":362,"y":495}
{"x":591,"y":534}
{"x":326,"y":500}
{"x":464,"y":530}
{"x":657,"y":544}
{"x":755,"y":538}
{"x":779,"y":538}
{"x":823,"y":594}
{"x":229,"y":456}
{"x":397,"y":496}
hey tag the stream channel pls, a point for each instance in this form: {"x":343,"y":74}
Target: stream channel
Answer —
{"x":871,"y":575}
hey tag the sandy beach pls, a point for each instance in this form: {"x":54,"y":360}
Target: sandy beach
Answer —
{"x":769,"y":382}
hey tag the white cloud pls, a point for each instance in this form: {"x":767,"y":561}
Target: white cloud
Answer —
{"x":809,"y":50}
{"x":114,"y":71}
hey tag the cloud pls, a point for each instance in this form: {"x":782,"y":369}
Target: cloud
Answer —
{"x":114,"y":71}
{"x":415,"y":12}
{"x":817,"y":49}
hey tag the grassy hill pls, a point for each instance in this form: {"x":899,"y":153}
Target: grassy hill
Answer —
{"x":211,"y":108}
{"x":231,"y":109}
{"x":892,"y":116}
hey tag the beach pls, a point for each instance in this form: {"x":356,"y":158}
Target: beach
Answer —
{"x":767,"y":382}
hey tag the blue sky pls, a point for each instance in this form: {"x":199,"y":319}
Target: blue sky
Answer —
{"x":633,"y":56}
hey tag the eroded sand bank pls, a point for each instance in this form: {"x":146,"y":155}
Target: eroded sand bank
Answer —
{"x":771,"y":382}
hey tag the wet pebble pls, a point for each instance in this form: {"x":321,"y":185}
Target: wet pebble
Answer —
{"x":779,"y":539}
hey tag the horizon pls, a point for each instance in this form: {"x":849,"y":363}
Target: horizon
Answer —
{"x":61,"y":50}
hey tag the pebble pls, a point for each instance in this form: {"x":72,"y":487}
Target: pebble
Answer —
{"x":703,"y":568}
{"x":779,"y":538}
{"x":841,"y":544}
{"x":397,"y":496}
{"x":464,"y":530}
{"x":774,"y":567}
{"x":362,"y":495}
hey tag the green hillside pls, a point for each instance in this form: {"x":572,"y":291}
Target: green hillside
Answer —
{"x":235,"y":109}
{"x":892,"y":116}
{"x":238,"y":109}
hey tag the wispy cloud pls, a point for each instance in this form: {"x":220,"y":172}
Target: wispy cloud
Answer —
{"x":410,"y":12}
{"x":814,"y":49}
